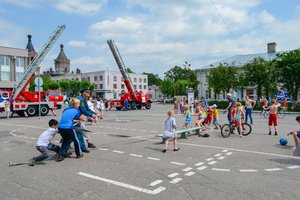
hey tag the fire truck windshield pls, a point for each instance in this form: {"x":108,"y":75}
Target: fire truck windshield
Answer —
{"x":54,"y":93}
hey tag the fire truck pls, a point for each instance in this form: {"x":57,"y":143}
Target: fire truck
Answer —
{"x":135,"y":99}
{"x":26,"y":103}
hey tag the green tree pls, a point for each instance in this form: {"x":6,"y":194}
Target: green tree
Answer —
{"x":128,"y":70}
{"x":153,"y":79}
{"x":288,"y":67}
{"x":223,"y":78}
{"x":75,"y":87}
{"x":179,"y":73}
{"x":167,"y":87}
{"x":64,"y":85}
{"x":53,"y":85}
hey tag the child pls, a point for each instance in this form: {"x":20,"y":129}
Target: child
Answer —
{"x":209,"y":116}
{"x":215,"y":117}
{"x":188,"y":118}
{"x":70,"y":115}
{"x":170,"y":131}
{"x":296,"y":136}
{"x":273,"y":115}
{"x":44,"y":144}
{"x":238,"y":117}
{"x":201,"y":118}
{"x":7,"y":108}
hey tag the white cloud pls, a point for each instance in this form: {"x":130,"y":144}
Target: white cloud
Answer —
{"x":77,"y":43}
{"x":82,"y":7}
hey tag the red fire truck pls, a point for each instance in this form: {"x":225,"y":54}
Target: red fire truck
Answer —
{"x":26,"y":103}
{"x":136,"y":100}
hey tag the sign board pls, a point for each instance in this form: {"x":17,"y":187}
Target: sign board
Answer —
{"x":38,"y":81}
{"x":191,"y":98}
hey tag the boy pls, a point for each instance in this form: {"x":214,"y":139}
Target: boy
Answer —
{"x":215,"y":117}
{"x":296,"y":136}
{"x":170,"y":131}
{"x":44,"y":144}
{"x":273,"y":115}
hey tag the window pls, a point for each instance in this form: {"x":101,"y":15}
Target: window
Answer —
{"x":96,"y":86}
{"x":20,"y":65}
{"x":100,"y":78}
{"x":88,"y":78}
{"x":145,"y":80}
{"x":5,"y":68}
{"x":134,"y":79}
{"x":115,"y":78}
{"x":140,"y":80}
{"x":206,"y":94}
{"x":100,"y":86}
{"x":145,"y":87}
{"x":122,"y":86}
{"x":95,"y":78}
{"x":115,"y":86}
{"x":134,"y":87}
{"x":140,"y":87}
{"x":107,"y":80}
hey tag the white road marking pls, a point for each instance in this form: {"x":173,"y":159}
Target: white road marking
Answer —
{"x":150,"y":158}
{"x":143,"y":130}
{"x":199,"y":163}
{"x":201,"y":168}
{"x":125,"y":185}
{"x":136,"y":155}
{"x":132,"y":129}
{"x":221,"y":170}
{"x":228,"y":153}
{"x":212,"y":162}
{"x":102,"y":149}
{"x":225,"y":150}
{"x":176,"y":180}
{"x":217,"y":155}
{"x":177,"y":163}
{"x":187,"y":169}
{"x":190,"y":173}
{"x":221,"y":157}
{"x":117,"y":151}
{"x":209,"y":159}
{"x":248,"y":170}
{"x":33,"y":138}
{"x":154,"y":183}
{"x":293,"y":167}
{"x":173,"y":175}
{"x":154,"y":131}
{"x":273,"y":169}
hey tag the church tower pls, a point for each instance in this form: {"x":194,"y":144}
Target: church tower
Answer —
{"x":31,"y":52}
{"x":62,"y":63}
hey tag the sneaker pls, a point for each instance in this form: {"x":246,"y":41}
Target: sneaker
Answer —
{"x":216,"y":128}
{"x":68,"y":154}
{"x":177,"y":149}
{"x":164,"y":151}
{"x":60,"y":158}
{"x":80,"y":156}
{"x":275,"y":133}
{"x":91,"y":145}
{"x":241,"y":136}
{"x":31,"y":162}
{"x":86,"y":151}
{"x":270,"y":133}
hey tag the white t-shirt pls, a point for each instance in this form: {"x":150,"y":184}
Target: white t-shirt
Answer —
{"x":46,"y":137}
{"x":91,"y":106}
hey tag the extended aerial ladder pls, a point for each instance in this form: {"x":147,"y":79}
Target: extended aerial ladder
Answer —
{"x":136,"y":99}
{"x":22,"y":83}
{"x":122,"y":67}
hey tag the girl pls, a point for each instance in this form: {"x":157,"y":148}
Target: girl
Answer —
{"x":238,"y":117}
{"x":170,"y":131}
{"x":188,"y":118}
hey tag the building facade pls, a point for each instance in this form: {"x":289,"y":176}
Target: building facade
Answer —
{"x":108,"y":84}
{"x":234,"y":61}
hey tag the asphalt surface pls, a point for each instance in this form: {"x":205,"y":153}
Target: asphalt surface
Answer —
{"x":128,"y":162}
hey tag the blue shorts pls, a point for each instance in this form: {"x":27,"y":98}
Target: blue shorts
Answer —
{"x":298,"y":134}
{"x":215,"y":121}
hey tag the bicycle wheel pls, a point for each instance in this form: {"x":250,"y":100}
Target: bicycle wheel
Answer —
{"x":225,"y":130}
{"x":246,"y":129}
{"x":281,"y":114}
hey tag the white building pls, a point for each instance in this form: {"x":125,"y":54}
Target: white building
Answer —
{"x":109,"y":84}
{"x":235,"y":61}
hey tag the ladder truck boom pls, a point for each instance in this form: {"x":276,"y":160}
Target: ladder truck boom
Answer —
{"x":115,"y":52}
{"x":28,"y":75}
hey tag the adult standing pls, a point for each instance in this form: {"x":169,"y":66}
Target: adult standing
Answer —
{"x":84,"y":109}
{"x":249,"y":108}
{"x":229,"y":107}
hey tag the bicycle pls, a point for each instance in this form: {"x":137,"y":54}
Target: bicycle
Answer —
{"x":280,"y":113}
{"x":228,"y":129}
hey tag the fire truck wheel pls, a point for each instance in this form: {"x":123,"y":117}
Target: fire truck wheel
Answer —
{"x":138,"y":106}
{"x":133,"y":105}
{"x":118,"y":108}
{"x":20,"y":113}
{"x":31,"y":110}
{"x":129,"y":106}
{"x":44,"y":110}
{"x":148,"y":105}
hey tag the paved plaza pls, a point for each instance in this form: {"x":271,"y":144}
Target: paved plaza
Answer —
{"x":128,"y":162}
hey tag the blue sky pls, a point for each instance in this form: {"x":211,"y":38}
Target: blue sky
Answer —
{"x":152,"y":35}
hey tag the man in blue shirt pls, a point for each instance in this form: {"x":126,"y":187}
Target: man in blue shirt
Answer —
{"x":84,"y":109}
{"x":229,"y":107}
